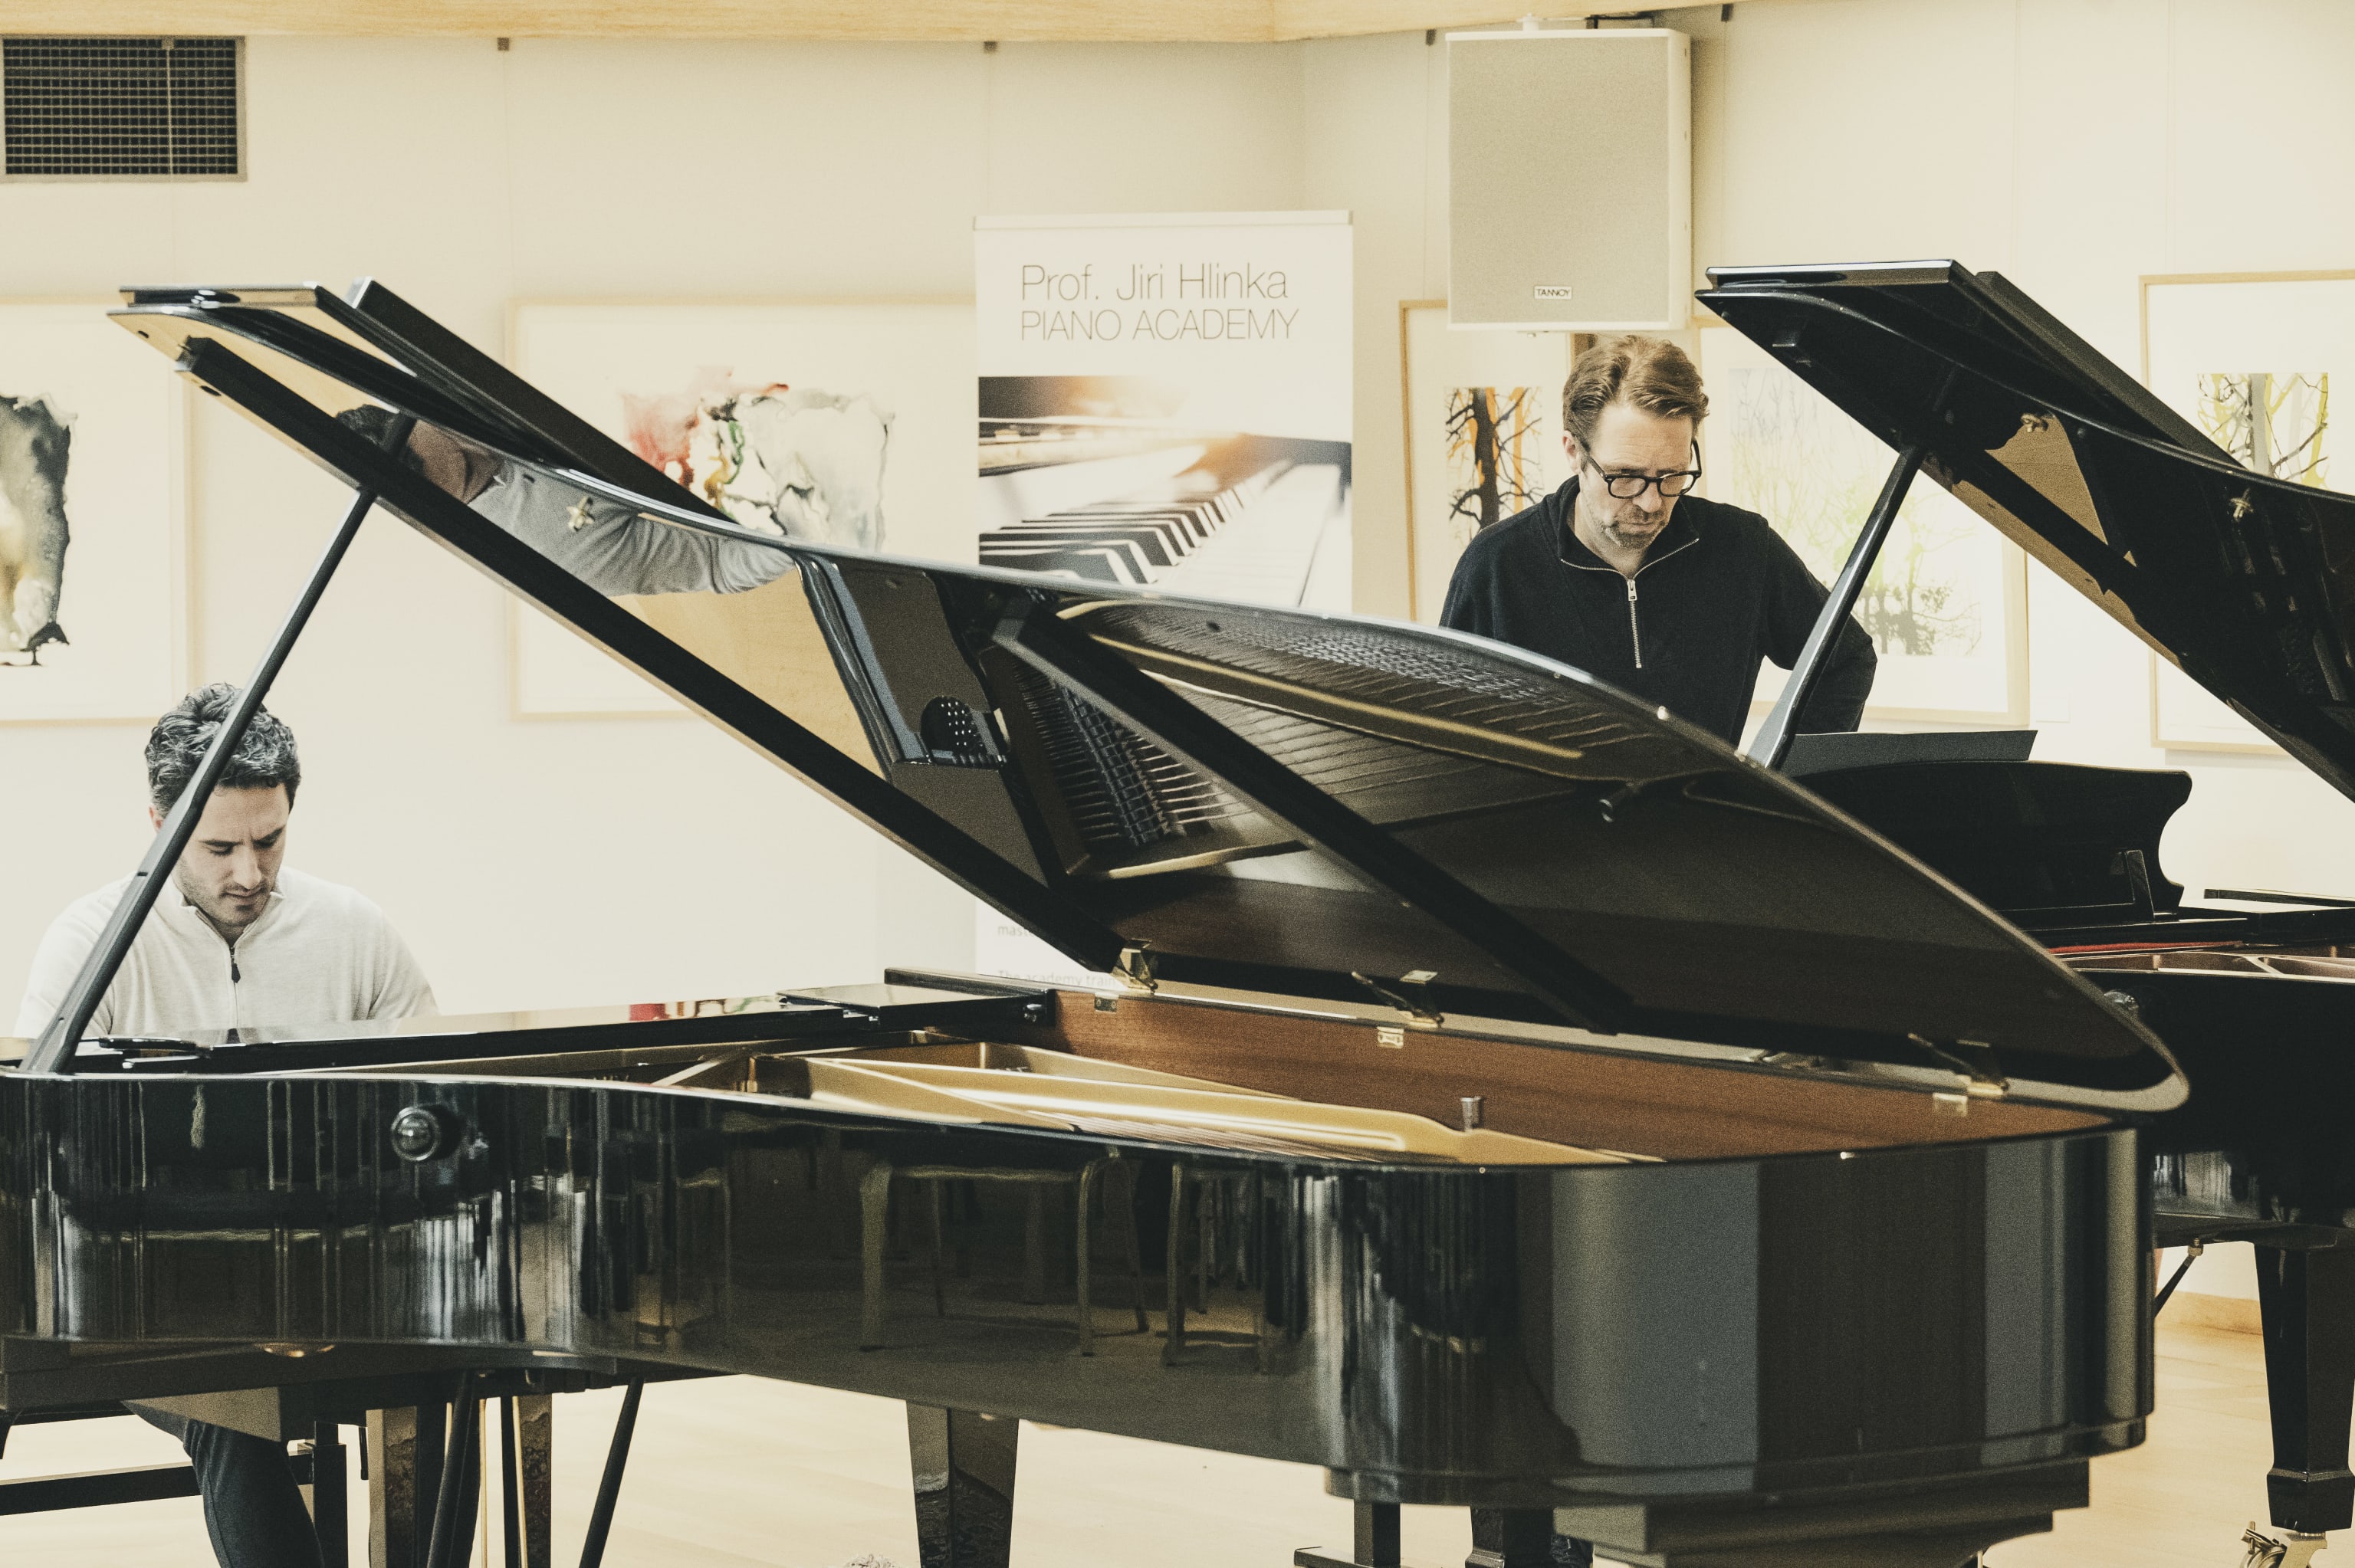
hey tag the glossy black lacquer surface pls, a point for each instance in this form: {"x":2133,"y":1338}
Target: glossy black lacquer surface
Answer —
{"x":2264,"y":1146}
{"x":2244,"y":580}
{"x":1432,"y":1334}
{"x":2045,"y":844}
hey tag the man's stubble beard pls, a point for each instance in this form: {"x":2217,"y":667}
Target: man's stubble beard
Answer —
{"x":204,"y":905}
{"x":1607,"y":523}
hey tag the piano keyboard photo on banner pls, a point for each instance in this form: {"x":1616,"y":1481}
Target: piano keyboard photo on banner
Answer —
{"x":1164,"y":402}
{"x":1126,"y":499}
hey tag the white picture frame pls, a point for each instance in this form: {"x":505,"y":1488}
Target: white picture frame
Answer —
{"x":1777,"y":446}
{"x":1436,"y":364}
{"x":911,"y":358}
{"x":79,"y":394}
{"x":2197,"y":326}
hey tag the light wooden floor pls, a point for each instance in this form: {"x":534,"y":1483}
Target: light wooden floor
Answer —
{"x":734,"y":1471}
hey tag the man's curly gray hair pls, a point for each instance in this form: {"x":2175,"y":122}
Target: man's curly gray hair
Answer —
{"x":265,"y":755}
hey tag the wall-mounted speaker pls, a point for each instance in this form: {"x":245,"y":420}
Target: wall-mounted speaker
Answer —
{"x":1569,"y":179}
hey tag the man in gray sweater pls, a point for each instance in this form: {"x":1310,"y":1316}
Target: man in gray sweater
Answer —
{"x":237,"y":942}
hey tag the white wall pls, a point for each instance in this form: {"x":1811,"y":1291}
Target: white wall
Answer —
{"x":550,"y":862}
{"x":2072,"y":144}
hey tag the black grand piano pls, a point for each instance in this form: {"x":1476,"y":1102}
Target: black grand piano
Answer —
{"x":2246,"y":583}
{"x":1506,"y":1097}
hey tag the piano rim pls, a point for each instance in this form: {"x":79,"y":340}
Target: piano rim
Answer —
{"x":1368,"y":1045}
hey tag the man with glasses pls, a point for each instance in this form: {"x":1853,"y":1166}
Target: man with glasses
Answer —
{"x":1623,"y":574}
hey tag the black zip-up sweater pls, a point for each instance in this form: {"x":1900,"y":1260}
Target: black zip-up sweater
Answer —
{"x":1717,"y":593}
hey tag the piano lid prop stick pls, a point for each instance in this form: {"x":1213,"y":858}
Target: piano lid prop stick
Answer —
{"x":1772,"y":742}
{"x":54,"y":1053}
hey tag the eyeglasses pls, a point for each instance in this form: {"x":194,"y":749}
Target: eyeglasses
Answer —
{"x":1628,"y":486}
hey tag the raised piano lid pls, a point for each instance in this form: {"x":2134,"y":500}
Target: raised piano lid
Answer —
{"x":2245,"y":581}
{"x":1209,"y":795}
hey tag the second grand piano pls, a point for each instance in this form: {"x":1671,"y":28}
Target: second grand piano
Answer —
{"x":2243,"y":581}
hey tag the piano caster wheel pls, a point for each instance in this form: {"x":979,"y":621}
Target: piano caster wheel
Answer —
{"x":2290,"y":1549}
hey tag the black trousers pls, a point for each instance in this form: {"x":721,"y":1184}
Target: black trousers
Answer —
{"x":254,"y":1510}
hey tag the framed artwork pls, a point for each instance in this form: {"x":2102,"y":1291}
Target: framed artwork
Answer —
{"x":1483,"y":431}
{"x":93,"y":519}
{"x":1946,"y":604}
{"x":2250,"y":357}
{"x":850,"y":422}
{"x":2187,"y":716}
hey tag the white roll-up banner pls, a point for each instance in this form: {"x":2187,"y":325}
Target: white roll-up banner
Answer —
{"x":1164,"y":401}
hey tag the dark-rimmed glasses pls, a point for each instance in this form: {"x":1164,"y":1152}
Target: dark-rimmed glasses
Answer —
{"x":1628,"y":486}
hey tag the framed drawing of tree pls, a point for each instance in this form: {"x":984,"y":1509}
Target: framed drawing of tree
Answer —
{"x":1483,"y":435}
{"x":2253,"y":358}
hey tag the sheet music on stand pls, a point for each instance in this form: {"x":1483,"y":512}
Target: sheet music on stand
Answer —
{"x":1824,"y":753}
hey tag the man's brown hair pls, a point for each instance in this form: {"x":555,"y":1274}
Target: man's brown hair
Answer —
{"x":1646,"y":373}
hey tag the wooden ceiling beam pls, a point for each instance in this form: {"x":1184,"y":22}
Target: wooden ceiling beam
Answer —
{"x":935,"y":21}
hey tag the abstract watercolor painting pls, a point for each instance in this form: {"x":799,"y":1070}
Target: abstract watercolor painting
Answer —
{"x":91,"y":521}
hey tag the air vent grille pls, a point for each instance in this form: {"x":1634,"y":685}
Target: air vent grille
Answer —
{"x":137,"y":109}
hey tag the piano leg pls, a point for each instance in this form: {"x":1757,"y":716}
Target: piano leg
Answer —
{"x":874,"y":1223}
{"x":1120,"y":1197}
{"x":404,"y":1449}
{"x":1376,"y":1542}
{"x":1174,"y":1268}
{"x":510,"y":1488}
{"x":2307,"y":1299}
{"x":330,"y":1513}
{"x":1522,"y":1537}
{"x":963,"y":1465}
{"x":535,"y":1476}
